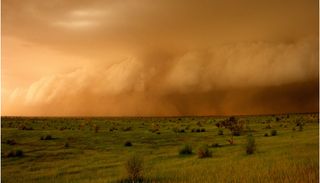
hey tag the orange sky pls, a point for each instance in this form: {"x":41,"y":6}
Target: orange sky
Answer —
{"x":168,"y":57}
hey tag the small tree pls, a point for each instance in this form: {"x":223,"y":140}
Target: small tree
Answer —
{"x":235,"y":126}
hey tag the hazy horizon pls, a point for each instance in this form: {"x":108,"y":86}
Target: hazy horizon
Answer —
{"x":161,"y":58}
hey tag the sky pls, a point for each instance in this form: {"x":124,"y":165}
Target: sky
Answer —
{"x":159,"y":58}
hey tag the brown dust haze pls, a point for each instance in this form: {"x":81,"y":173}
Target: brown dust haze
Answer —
{"x":164,"y":57}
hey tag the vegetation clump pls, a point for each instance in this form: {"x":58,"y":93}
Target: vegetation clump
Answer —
{"x":134,"y":167}
{"x":46,"y":137}
{"x":301,"y":127}
{"x":204,"y":152}
{"x":251,"y":145}
{"x":126,"y":129}
{"x":66,"y":145}
{"x":186,"y":150}
{"x":235,"y":126}
{"x":24,"y":127}
{"x":113,"y":129}
{"x":216,"y":145}
{"x":96,"y":128}
{"x":127,"y":144}
{"x":274,"y":132}
{"x":220,"y":132}
{"x":16,"y":153}
{"x":268,"y":126}
{"x":10,"y":142}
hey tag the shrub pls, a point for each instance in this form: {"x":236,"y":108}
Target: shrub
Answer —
{"x":47,"y":137}
{"x":268,"y":126}
{"x":126,"y":129}
{"x":220,"y":132}
{"x":66,"y":145}
{"x":234,"y":125}
{"x":293,"y":129}
{"x":113,"y":129}
{"x":204,"y":152}
{"x":251,"y":145}
{"x":193,"y":130}
{"x":19,"y":153}
{"x":236,"y":133}
{"x":266,"y":135}
{"x":24,"y":127}
{"x":96,"y":128}
{"x":10,"y":154}
{"x":203,"y":130}
{"x":134,"y":167}
{"x":274,"y":132}
{"x":198,"y":130}
{"x":127,"y":143}
{"x":186,"y":149}
{"x":10,"y":142}
{"x":216,"y":145}
{"x":300,"y":128}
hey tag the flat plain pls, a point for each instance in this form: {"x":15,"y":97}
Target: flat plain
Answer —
{"x":83,"y":149}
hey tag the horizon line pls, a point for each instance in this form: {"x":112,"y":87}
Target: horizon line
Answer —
{"x":151,"y":116}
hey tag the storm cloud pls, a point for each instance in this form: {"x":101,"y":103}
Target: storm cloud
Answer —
{"x":159,"y":58}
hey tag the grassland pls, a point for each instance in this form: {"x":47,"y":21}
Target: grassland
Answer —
{"x":92,"y":149}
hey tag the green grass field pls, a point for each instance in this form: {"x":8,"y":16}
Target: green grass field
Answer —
{"x":93,"y":150}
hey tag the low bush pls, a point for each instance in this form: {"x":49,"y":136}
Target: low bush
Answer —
{"x":126,"y":129}
{"x":24,"y":127}
{"x":251,"y":145}
{"x":204,"y":152}
{"x":47,"y":137}
{"x":236,"y":133}
{"x":203,"y":130}
{"x":134,"y":167}
{"x":216,"y":145}
{"x":19,"y":153}
{"x":113,"y":129}
{"x":127,"y":144}
{"x":9,"y":154}
{"x":220,"y":132}
{"x":274,"y":132}
{"x":16,"y":153}
{"x":266,"y":135}
{"x":96,"y":128}
{"x":10,"y":142}
{"x":301,"y":128}
{"x":66,"y":145}
{"x":185,"y":150}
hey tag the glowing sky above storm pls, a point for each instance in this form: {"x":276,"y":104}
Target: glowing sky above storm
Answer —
{"x":165,"y":57}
